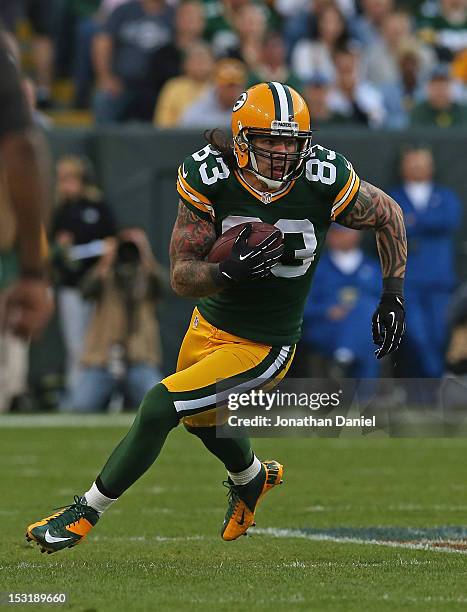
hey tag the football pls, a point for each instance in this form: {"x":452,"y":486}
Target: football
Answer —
{"x":223,"y":245}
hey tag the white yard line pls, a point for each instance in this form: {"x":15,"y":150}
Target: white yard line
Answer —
{"x":297,"y":533}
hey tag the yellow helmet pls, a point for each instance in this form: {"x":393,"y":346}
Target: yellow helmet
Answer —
{"x":271,"y":109}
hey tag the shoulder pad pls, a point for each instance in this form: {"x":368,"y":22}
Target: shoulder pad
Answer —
{"x":199,"y":177}
{"x":335,"y":176}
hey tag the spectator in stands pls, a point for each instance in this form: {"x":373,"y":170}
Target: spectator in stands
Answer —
{"x":316,"y":55}
{"x":446,"y":30}
{"x":221,"y":19}
{"x":41,"y":14}
{"x":181,"y":91}
{"x":353,"y":101}
{"x":122,"y":351}
{"x":367,"y":27}
{"x":401,"y":96}
{"x":124,"y":60}
{"x":80,"y":21}
{"x":381,"y":60}
{"x":251,"y":26}
{"x":80,"y":223}
{"x":300,"y":17}
{"x":341,"y":304}
{"x":189,"y":26}
{"x":272,"y":65}
{"x":431,"y":214}
{"x":214,"y":108}
{"x":77,"y":25}
{"x":316,"y":93}
{"x":440,"y":108}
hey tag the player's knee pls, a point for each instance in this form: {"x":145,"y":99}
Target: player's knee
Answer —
{"x":157,"y":409}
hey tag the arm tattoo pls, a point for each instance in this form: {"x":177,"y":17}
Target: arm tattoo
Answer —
{"x":192,"y":239}
{"x":375,"y":209}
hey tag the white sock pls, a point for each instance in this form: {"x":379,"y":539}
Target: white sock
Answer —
{"x":243,"y":478}
{"x":96,"y":500}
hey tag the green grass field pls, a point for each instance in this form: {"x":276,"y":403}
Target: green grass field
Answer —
{"x":158,"y":548}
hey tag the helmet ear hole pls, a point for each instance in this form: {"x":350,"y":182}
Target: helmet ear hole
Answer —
{"x":241,"y":151}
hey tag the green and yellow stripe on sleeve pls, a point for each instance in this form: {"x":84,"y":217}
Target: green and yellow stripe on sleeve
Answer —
{"x":346,"y":196}
{"x":195,"y":201}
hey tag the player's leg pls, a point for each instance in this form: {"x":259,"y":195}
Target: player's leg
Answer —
{"x":235,"y":360}
{"x":187,"y":392}
{"x":235,"y":453}
{"x":137,"y":451}
{"x":130,"y":459}
{"x":248,"y":478}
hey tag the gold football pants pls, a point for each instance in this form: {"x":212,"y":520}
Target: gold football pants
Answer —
{"x":208,"y":355}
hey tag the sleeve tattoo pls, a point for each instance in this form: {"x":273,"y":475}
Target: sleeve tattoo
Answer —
{"x":192,"y":239}
{"x":376,"y":210}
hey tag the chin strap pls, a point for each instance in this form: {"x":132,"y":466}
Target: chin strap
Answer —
{"x":270,"y":184}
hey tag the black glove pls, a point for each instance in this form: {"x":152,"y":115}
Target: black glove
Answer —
{"x":388,"y":324}
{"x":249,"y":262}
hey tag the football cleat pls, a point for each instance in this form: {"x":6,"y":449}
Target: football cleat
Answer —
{"x":64,"y":529}
{"x":244,"y":499}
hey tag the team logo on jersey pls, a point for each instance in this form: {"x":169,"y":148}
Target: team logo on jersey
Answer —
{"x":240,"y":102}
{"x":266,"y":198}
{"x":196,"y":321}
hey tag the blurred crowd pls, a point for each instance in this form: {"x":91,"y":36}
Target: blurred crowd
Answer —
{"x":375,"y":63}
{"x":107,"y":284}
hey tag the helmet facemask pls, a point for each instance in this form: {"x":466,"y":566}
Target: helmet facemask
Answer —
{"x":290,"y":164}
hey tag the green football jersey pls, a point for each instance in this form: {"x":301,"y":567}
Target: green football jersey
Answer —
{"x":269,"y":310}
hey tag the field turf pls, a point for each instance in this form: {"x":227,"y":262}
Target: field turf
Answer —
{"x":158,"y":547}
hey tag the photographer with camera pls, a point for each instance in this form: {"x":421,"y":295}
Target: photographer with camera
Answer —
{"x":80,"y":223}
{"x":122,"y":351}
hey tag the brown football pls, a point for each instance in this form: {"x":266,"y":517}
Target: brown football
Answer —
{"x":223,"y":246}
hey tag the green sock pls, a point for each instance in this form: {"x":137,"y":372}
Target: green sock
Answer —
{"x":140,"y":447}
{"x":235,"y":453}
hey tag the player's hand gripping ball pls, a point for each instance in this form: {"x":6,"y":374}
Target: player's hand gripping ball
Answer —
{"x":247,"y":251}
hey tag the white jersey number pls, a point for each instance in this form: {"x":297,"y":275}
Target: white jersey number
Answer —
{"x":322,"y":171}
{"x":217,"y":172}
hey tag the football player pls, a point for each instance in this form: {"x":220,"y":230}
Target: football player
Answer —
{"x":26,"y":305}
{"x":249,"y":315}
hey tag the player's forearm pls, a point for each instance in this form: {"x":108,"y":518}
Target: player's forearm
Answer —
{"x":194,"y":278}
{"x":391,"y":240}
{"x":192,"y":239}
{"x":376,"y":210}
{"x":28,"y":191}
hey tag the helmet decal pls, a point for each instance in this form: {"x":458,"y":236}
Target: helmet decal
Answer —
{"x":240,"y":102}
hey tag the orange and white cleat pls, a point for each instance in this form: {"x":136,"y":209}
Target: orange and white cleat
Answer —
{"x":244,"y":499}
